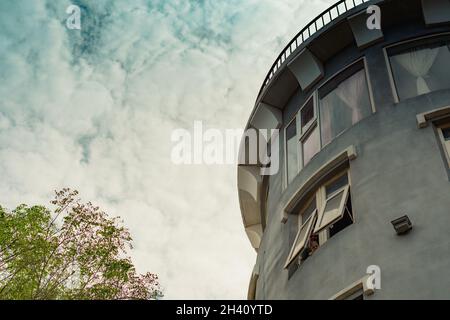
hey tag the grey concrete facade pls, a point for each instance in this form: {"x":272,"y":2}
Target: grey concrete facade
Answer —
{"x":399,"y":169}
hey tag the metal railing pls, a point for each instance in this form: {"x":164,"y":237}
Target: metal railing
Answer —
{"x":317,"y":24}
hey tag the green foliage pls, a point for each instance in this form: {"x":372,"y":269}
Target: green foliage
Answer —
{"x":76,"y":253}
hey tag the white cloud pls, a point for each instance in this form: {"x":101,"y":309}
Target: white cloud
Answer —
{"x":94,"y":111}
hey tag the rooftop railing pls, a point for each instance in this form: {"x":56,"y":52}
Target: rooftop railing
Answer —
{"x":317,"y":24}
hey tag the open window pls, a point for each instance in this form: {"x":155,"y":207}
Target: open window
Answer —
{"x":301,"y":247}
{"x":336,"y":210}
{"x":328,"y":213}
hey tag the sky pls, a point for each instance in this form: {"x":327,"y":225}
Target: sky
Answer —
{"x":94,"y":109}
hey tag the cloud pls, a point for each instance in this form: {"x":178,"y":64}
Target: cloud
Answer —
{"x":94,"y":110}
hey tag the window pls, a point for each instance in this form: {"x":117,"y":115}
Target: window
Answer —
{"x":358,"y":295}
{"x":337,"y":185}
{"x":307,"y":115}
{"x":337,"y":105}
{"x":444,"y":136}
{"x":322,"y":217}
{"x":306,"y":140}
{"x":310,"y":138}
{"x":334,"y":209}
{"x":344,"y":101}
{"x":307,"y":213}
{"x":291,"y":151}
{"x":358,"y":290}
{"x":336,"y":214}
{"x":420,"y":68}
{"x":301,"y":243}
{"x":310,"y":145}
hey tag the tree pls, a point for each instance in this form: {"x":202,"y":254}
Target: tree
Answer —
{"x":76,"y":253}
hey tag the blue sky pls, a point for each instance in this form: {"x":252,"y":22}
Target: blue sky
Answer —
{"x":94,"y":110}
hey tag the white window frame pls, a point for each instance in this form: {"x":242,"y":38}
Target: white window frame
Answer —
{"x":321,"y":224}
{"x":296,"y":249}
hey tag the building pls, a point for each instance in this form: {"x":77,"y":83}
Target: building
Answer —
{"x":364,"y":120}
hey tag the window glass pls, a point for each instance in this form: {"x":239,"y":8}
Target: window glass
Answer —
{"x":305,"y":214}
{"x":291,"y":150}
{"x":421,"y":69}
{"x":307,"y":114}
{"x":333,"y":204}
{"x":301,"y":239}
{"x":336,"y":185}
{"x":311,"y":145}
{"x":345,"y":105}
{"x":334,"y":209}
{"x":344,"y":222}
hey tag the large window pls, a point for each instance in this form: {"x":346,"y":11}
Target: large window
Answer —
{"x":420,"y":68}
{"x":344,"y":101}
{"x":324,"y":215}
{"x":336,"y":106}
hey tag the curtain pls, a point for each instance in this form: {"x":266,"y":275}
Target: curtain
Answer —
{"x":418,"y":63}
{"x":352,"y":92}
{"x":344,"y":106}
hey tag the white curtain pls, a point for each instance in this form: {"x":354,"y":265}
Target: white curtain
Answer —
{"x":419,"y":63}
{"x":352,"y":92}
{"x":344,"y":106}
